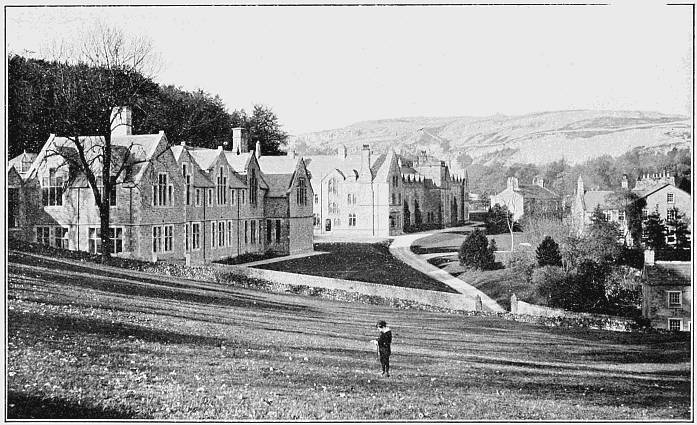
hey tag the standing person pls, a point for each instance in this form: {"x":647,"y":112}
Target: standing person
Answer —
{"x":384,"y":350}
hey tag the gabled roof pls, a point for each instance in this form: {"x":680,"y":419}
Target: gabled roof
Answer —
{"x":673,"y":273}
{"x":142,"y":146}
{"x":533,"y":191}
{"x":381,"y":168}
{"x":593,"y":198}
{"x":321,"y":165}
{"x":205,"y":158}
{"x":239,"y":162}
{"x":23,"y":158}
{"x":659,"y":187}
{"x":278,"y":172}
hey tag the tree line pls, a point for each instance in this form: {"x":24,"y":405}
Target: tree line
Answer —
{"x":47,"y":97}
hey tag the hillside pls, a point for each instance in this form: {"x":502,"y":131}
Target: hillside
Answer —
{"x":535,"y":138}
{"x":89,"y":341}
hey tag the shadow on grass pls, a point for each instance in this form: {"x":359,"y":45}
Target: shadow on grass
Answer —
{"x":136,"y":287}
{"x":24,"y":406}
{"x":103,"y":328}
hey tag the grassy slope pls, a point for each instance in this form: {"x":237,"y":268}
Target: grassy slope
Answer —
{"x":359,"y":261}
{"x":91,"y":344}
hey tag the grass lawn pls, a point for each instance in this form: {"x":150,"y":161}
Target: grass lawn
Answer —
{"x":497,"y":284}
{"x":359,"y":261}
{"x":451,"y":241}
{"x":88,"y":343}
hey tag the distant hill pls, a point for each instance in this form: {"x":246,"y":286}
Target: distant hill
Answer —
{"x":535,"y":138}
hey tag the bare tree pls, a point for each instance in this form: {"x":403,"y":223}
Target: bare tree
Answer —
{"x":102,"y":71}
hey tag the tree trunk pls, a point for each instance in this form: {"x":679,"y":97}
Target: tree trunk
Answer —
{"x":104,"y":216}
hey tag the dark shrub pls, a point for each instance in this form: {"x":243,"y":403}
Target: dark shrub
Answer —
{"x":474,"y":251}
{"x":548,"y":253}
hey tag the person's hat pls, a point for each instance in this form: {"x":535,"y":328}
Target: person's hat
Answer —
{"x":381,"y":324}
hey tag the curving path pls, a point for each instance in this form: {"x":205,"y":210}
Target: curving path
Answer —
{"x":401,"y":249}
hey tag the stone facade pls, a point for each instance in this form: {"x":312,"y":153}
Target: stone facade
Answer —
{"x":667,"y":293}
{"x":533,"y":199}
{"x":380,"y":195}
{"x":180,"y":203}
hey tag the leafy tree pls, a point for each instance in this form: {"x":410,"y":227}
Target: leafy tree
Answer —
{"x":548,"y":253}
{"x":680,"y":228}
{"x":588,"y":288}
{"x":497,"y":219}
{"x":263,"y":126}
{"x":474,"y":251}
{"x":654,"y":231}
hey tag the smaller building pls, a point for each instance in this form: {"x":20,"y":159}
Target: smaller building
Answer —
{"x":528,"y":199}
{"x":667,"y":293}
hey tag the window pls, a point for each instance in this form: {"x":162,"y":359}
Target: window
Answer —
{"x":670,"y":198}
{"x":253,"y":231}
{"x":187,"y":184}
{"x":229,"y":233}
{"x":60,"y":237}
{"x":157,"y":239}
{"x":169,"y":238}
{"x":13,"y":207}
{"x":195,"y":236}
{"x":186,"y":237}
{"x":302,"y":191}
{"x":316,"y":220}
{"x":394,"y":198}
{"x":221,"y":186}
{"x":52,"y":189}
{"x":608,"y":215}
{"x":261,"y":235}
{"x":352,"y":220}
{"x":316,"y":199}
{"x":395,"y":181}
{"x":393,"y":222}
{"x":221,"y":233}
{"x":246,"y":233}
{"x":671,"y":214}
{"x":209,"y":201}
{"x":620,"y":216}
{"x":644,"y":214}
{"x":198,"y":197}
{"x":399,"y":198}
{"x":95,"y":239}
{"x":243,"y":196}
{"x":675,"y":324}
{"x":674,"y":298}
{"x":232,"y":196}
{"x":162,"y":191}
{"x":112,"y":190}
{"x":43,"y":235}
{"x":351,"y":199}
{"x":253,"y":188}
{"x":213,"y":235}
{"x":269,"y":231}
{"x":278,"y":231}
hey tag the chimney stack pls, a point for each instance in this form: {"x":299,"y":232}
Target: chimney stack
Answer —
{"x":625,"y":182}
{"x":257,"y":150}
{"x":239,"y":140}
{"x":365,"y":174}
{"x":121,"y":121}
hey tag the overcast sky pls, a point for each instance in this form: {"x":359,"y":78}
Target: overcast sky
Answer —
{"x":327,"y":67}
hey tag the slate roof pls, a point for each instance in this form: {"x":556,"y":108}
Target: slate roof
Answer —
{"x":238,"y":162}
{"x":533,"y":191}
{"x":205,"y":158}
{"x":668,"y":273}
{"x":593,"y":198}
{"x":278,"y":172}
{"x":321,"y":165}
{"x":25,"y":157}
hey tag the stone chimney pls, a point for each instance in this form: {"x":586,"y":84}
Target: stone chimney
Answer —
{"x":341,"y":152}
{"x":580,"y":190}
{"x":257,"y":150}
{"x":649,"y":257}
{"x":625,"y":182}
{"x":512,"y":183}
{"x":239,"y":140}
{"x":365,"y":174}
{"x":121,"y":121}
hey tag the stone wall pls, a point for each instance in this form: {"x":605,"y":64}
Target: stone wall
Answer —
{"x":433,"y":298}
{"x":593,"y":321}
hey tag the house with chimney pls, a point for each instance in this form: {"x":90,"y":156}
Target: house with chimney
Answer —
{"x":656,"y":191}
{"x":528,"y":199}
{"x":178,"y":203}
{"x":667,"y":293}
{"x":379,"y":195}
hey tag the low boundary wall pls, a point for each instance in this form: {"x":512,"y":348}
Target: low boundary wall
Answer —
{"x":596,"y":321}
{"x":422,"y":296}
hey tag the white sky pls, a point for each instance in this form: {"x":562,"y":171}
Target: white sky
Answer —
{"x":327,"y":67}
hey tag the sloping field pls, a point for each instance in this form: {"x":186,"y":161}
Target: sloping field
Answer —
{"x":92,"y":342}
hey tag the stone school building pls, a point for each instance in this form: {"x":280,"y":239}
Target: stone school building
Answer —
{"x":379,"y":195}
{"x":179,"y":203}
